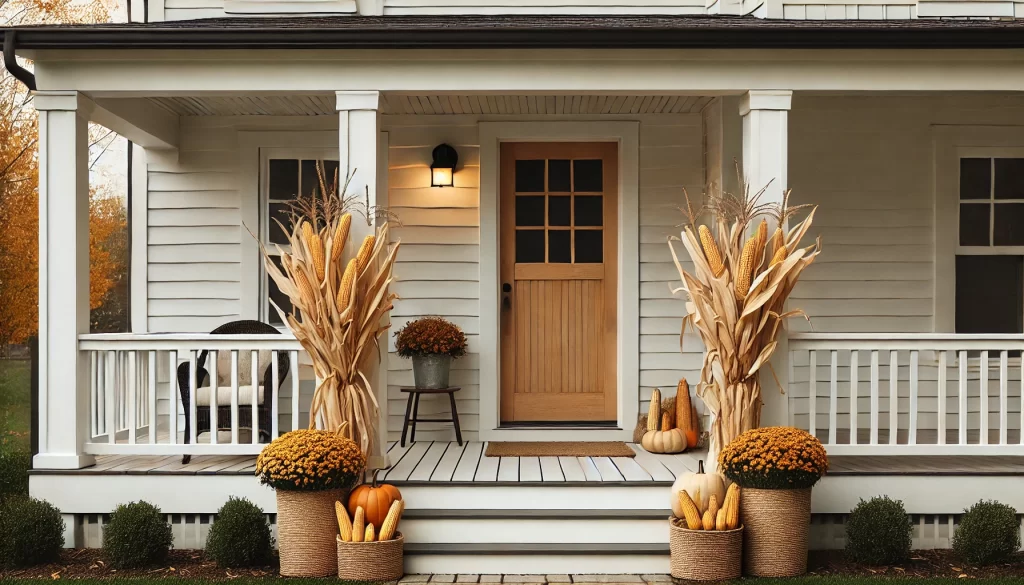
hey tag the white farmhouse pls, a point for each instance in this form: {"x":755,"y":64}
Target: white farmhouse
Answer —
{"x":577,"y":125}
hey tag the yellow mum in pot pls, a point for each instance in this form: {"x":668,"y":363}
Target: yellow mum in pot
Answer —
{"x":310,"y":460}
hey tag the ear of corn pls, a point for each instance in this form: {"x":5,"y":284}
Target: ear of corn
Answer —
{"x":666,"y":422}
{"x":761,"y":236}
{"x":713,"y":505}
{"x":340,"y":236}
{"x":690,"y":514}
{"x":363,"y":257}
{"x":305,"y":289}
{"x":777,"y":241}
{"x":369,"y":536}
{"x":307,"y":230}
{"x":779,"y":256}
{"x":697,"y":501}
{"x":708,"y":521}
{"x":720,"y":520}
{"x":345,"y":290}
{"x":344,"y":522}
{"x":316,"y":256}
{"x":387,"y":529}
{"x":707,"y":241}
{"x":654,"y":412}
{"x":732,"y":519}
{"x":358,"y":530}
{"x":746,"y":268}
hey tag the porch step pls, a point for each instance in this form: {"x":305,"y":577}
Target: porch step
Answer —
{"x":506,"y":513}
{"x":537,"y":558}
{"x":530,"y":548}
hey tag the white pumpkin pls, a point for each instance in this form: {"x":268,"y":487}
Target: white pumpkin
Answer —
{"x":708,"y":483}
{"x":670,"y":441}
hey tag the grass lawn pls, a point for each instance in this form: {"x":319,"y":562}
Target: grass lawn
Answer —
{"x":15,"y":410}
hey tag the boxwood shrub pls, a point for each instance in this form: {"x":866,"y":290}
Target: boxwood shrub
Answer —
{"x":137,"y":535}
{"x":240,"y":535}
{"x":989,"y":533}
{"x":31,"y":532}
{"x":878,"y":532}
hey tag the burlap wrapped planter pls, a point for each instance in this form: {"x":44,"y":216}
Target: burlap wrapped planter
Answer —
{"x":777,"y":522}
{"x":306,"y":529}
{"x":381,"y":560}
{"x":704,"y":555}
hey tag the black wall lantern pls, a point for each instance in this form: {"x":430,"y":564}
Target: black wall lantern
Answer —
{"x":442,"y":170}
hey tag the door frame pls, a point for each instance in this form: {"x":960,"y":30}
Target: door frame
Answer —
{"x":627,"y":135}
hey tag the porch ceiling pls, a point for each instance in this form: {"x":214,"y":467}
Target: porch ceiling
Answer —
{"x":438,"y":104}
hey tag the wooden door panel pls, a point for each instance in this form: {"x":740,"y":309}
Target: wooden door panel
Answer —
{"x":558,"y":266}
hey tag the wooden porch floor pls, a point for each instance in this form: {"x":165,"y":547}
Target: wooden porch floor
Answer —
{"x":447,"y":462}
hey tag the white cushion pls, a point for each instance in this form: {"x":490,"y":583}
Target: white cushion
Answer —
{"x":244,"y":366}
{"x":224,"y":395}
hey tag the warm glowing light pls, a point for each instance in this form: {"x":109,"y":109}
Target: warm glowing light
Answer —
{"x":442,"y":177}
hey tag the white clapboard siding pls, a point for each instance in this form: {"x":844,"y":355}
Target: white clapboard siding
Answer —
{"x":862,"y":162}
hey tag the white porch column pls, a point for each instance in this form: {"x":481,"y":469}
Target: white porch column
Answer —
{"x":765,"y":116}
{"x":63,"y":279}
{"x":358,"y":134}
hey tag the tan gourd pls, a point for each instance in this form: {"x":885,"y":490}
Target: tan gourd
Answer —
{"x":344,"y":522}
{"x":358,"y":530}
{"x":709,"y":484}
{"x":387,"y":530}
{"x":683,"y":408}
{"x":689,"y":512}
{"x":671,"y":441}
{"x":654,"y":412}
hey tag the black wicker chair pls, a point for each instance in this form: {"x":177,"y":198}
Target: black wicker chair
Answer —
{"x":264,"y":411}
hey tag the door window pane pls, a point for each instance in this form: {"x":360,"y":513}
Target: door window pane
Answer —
{"x":278,"y":212}
{"x":310,"y":179}
{"x":279,"y":298}
{"x":559,"y":209}
{"x":530,"y":176}
{"x":530,"y":210}
{"x":588,"y":210}
{"x":587,"y":175}
{"x":530,"y":246}
{"x":558,"y":176}
{"x":284,"y":179}
{"x":974,"y":224}
{"x":1009,"y":178}
{"x":589,"y":246}
{"x":1009,"y":224}
{"x":559,"y":248}
{"x":989,"y":294}
{"x":975,"y":178}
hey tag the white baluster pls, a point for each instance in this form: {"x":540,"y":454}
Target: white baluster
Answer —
{"x":214,"y":398}
{"x":962,"y":414}
{"x":853,"y":395}
{"x":812,"y":390}
{"x":983,"y":431}
{"x":111,"y":426}
{"x":943,"y":371}
{"x":254,"y":370}
{"x":912,"y":433}
{"x":94,"y":390}
{"x":133,"y":376}
{"x":274,"y":385}
{"x":294,"y":373}
{"x":193,"y":378}
{"x":152,"y":398}
{"x":894,"y":407}
{"x":873,"y":439}
{"x":234,"y":396}
{"x":172,"y":402}
{"x":833,"y":398}
{"x":1003,"y":396}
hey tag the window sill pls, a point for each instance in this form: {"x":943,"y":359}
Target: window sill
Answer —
{"x":290,"y":7}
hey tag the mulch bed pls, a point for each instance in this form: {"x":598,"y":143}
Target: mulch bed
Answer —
{"x":91,"y":564}
{"x":192,"y":564}
{"x":923,"y":563}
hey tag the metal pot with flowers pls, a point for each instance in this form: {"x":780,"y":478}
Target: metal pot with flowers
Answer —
{"x":776,"y":467}
{"x":432,"y":343}
{"x":310,"y":470}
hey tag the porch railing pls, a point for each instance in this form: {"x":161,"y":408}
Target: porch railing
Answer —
{"x":909,"y":394}
{"x":136,"y":406}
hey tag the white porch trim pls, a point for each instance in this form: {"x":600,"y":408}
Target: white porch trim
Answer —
{"x":139,"y":286}
{"x":627,"y":135}
{"x":64,"y":263}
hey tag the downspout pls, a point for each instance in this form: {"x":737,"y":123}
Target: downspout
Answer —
{"x":11,"y":61}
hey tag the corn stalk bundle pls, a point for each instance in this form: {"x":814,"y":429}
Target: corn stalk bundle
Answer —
{"x":340,"y":306}
{"x":736,"y":299}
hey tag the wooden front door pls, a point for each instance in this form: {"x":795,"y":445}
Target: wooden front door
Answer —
{"x":559,"y":243}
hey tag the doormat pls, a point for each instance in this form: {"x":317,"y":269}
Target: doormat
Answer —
{"x":559,"y":449}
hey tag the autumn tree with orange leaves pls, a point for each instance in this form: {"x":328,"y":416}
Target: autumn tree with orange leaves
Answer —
{"x":19,"y":198}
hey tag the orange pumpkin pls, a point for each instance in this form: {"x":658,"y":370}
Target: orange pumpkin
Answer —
{"x":375,"y":500}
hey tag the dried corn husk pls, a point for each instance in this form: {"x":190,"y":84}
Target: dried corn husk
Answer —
{"x":738,"y":316}
{"x":339,"y":321}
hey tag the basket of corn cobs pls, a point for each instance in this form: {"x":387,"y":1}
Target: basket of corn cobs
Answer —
{"x":366,"y":553}
{"x":707,"y":545}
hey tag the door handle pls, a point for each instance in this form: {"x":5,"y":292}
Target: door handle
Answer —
{"x":506,"y":289}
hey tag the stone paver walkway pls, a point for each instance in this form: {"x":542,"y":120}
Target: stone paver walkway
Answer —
{"x":540,"y":579}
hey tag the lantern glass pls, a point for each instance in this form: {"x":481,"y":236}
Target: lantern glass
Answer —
{"x":442,"y":177}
